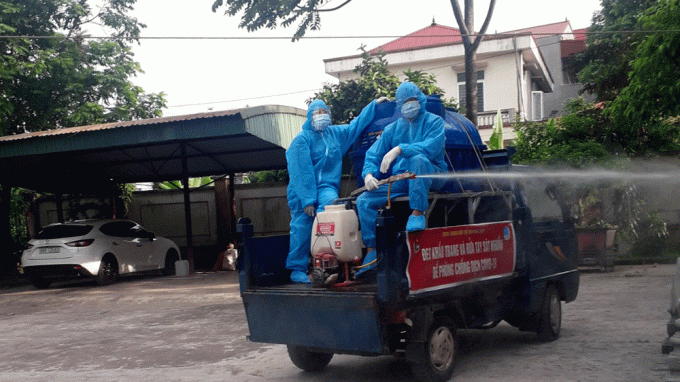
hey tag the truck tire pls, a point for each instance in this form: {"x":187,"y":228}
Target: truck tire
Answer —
{"x":550,"y":318}
{"x":440,"y":352}
{"x":308,"y":360}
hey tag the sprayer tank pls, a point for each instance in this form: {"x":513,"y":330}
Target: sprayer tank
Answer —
{"x":336,"y":231}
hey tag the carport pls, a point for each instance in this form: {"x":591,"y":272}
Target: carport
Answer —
{"x":93,"y":159}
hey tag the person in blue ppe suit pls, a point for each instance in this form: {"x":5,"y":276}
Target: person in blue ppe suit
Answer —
{"x":315,"y":168}
{"x":413,"y":143}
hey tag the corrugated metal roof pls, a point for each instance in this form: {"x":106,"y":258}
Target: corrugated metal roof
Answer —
{"x":168,"y":148}
{"x":114,"y":125}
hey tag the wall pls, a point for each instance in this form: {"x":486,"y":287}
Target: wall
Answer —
{"x":163,"y":213}
{"x":266,"y":205}
{"x":553,"y":103}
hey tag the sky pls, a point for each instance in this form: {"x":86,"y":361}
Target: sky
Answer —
{"x":201,"y":75}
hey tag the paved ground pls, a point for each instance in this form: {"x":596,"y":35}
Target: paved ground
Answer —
{"x":193,"y":329}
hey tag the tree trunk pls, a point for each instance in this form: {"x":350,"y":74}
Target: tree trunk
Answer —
{"x":470,"y":86}
{"x":470,"y":56}
{"x":471,"y":43}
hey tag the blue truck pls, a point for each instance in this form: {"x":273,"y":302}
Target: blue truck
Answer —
{"x":496,"y":249}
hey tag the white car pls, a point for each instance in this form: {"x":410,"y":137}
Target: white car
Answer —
{"x":102,"y":249}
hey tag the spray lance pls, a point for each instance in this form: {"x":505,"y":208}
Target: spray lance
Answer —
{"x":390,"y":180}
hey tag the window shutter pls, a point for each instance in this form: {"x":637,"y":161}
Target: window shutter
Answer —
{"x":480,"y":97}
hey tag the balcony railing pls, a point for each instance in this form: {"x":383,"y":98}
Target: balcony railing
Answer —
{"x":486,"y":119}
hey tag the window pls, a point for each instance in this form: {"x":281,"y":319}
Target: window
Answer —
{"x":118,"y":229}
{"x":536,"y":106}
{"x":480,"y":90}
{"x":63,"y":230}
{"x":569,"y":78}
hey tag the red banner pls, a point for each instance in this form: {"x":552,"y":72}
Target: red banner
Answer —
{"x":445,"y":257}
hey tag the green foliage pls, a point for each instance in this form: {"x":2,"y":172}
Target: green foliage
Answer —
{"x":19,"y":201}
{"x":645,"y":109}
{"x":68,"y":80}
{"x":603,"y":68}
{"x":496,"y":140}
{"x":269,"y":13}
{"x":653,"y":239}
{"x":347,"y":98}
{"x":268,"y":176}
{"x":582,"y":140}
{"x":177,"y":184}
{"x":579,"y":139}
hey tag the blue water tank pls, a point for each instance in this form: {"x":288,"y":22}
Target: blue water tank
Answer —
{"x":464,"y":145}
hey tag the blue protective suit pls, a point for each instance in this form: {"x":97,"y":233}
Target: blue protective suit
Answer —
{"x":315,"y":168}
{"x":422,"y":152}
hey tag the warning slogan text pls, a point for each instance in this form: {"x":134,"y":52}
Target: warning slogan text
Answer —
{"x":454,"y":254}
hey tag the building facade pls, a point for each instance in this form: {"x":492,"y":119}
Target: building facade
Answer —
{"x":519,"y":72}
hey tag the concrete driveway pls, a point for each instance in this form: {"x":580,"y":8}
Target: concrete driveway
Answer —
{"x":193,"y":329}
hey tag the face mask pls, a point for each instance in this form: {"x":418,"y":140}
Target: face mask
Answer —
{"x":321,"y":121}
{"x":410,"y":109}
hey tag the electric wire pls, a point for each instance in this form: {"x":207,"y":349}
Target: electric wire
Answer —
{"x":496,"y":55}
{"x":340,"y":37}
{"x":495,"y":35}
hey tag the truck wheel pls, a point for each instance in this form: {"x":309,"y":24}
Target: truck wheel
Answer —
{"x":550,"y":319}
{"x":308,"y":360}
{"x":440,"y":352}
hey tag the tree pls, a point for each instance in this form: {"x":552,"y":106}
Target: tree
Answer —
{"x":64,"y":78}
{"x":645,"y":108}
{"x":578,"y":139}
{"x":467,"y":31}
{"x":347,"y":98}
{"x":269,"y":13}
{"x":603,"y":67}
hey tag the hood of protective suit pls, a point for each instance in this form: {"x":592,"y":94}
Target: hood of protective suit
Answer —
{"x":409,"y":90}
{"x":315,"y":105}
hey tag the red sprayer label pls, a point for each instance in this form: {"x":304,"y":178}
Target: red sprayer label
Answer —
{"x":325,"y":229}
{"x":445,"y":257}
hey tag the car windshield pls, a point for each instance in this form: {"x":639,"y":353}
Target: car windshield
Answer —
{"x":60,"y":231}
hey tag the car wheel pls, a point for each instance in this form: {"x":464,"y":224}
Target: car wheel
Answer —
{"x":40,"y":283}
{"x":308,"y":360}
{"x":108,"y":271}
{"x":439,"y":352}
{"x":550,"y":319}
{"x":170,"y":259}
